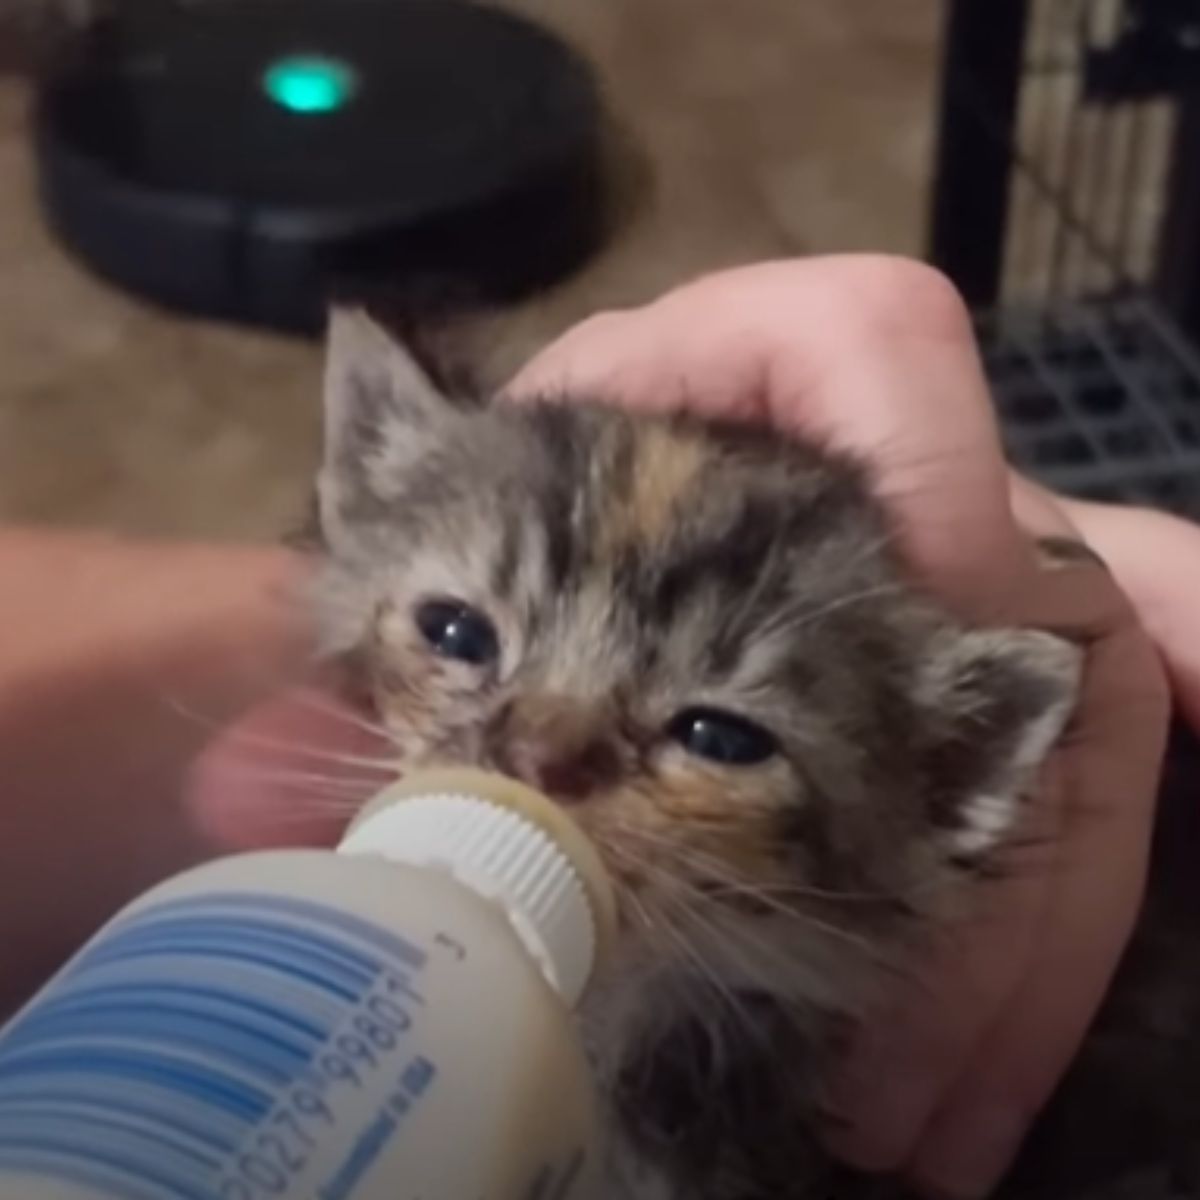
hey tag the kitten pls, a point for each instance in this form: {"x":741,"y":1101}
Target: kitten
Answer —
{"x":702,"y":639}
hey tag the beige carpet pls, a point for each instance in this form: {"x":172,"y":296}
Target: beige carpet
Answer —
{"x":763,"y":128}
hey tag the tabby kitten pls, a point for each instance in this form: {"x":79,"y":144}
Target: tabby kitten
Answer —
{"x":700,"y":638}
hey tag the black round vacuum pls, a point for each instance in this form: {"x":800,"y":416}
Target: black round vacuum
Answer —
{"x":242,"y":158}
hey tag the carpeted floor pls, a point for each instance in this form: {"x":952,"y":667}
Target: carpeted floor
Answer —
{"x":767,"y":127}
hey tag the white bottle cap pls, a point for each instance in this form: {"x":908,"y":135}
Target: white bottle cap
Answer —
{"x":499,"y":854}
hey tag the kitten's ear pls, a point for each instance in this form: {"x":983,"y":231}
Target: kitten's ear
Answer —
{"x":382,"y":412}
{"x":370,"y":380}
{"x":1000,"y":700}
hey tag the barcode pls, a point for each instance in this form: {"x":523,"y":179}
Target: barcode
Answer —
{"x":197,"y":1052}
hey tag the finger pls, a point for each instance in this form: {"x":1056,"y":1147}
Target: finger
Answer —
{"x":837,"y":350}
{"x":906,"y":1061}
{"x":1107,"y":784}
{"x":911,"y":1057}
{"x":911,"y":1052}
{"x":291,"y":772}
{"x":874,"y":354}
{"x":1156,"y":559}
{"x":1038,"y":511}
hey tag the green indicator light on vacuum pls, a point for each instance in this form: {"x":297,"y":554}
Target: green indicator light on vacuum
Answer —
{"x":309,"y":83}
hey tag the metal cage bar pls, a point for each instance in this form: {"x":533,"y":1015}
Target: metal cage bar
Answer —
{"x":1066,"y":207}
{"x":981,"y":61}
{"x":1178,"y":265}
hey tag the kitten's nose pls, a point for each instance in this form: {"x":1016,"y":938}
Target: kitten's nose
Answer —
{"x":554,"y":745}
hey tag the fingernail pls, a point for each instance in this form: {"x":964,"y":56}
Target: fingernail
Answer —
{"x":972,"y":1148}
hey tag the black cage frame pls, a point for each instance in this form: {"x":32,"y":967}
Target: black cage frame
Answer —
{"x":1066,"y":207}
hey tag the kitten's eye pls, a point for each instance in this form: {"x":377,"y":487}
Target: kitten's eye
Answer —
{"x":456,"y":631}
{"x":721,"y":737}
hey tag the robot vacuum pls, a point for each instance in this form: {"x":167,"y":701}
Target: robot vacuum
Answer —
{"x":241,"y":159}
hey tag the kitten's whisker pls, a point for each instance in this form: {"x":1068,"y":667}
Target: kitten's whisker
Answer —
{"x":694,"y":907}
{"x":706,"y":973}
{"x":639,"y":909}
{"x":305,"y":798}
{"x":799,"y":916}
{"x":303,"y":697}
{"x":864,"y":948}
{"x":827,"y":610}
{"x":868,"y":550}
{"x":332,"y":785}
{"x":302,"y":812}
{"x":715,"y":870}
{"x":307,"y":807}
{"x":356,"y":720}
{"x":703,"y":903}
{"x":280,"y":746}
{"x":782,"y":891}
{"x":659,"y":923}
{"x":767,"y":965}
{"x":384,"y":766}
{"x":730,"y":946}
{"x":665,"y":926}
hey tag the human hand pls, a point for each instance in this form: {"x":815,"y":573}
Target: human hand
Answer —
{"x":878,"y":356}
{"x":116,"y":660}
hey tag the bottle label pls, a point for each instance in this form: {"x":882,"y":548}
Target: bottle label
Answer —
{"x":210,"y":1048}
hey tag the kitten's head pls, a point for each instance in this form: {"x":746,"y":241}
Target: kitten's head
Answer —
{"x":697,"y":637}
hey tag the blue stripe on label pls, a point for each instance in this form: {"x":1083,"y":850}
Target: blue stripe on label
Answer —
{"x":194,"y":1034}
{"x":399,"y":949}
{"x":94,"y":1174}
{"x":220,"y":1000}
{"x":58,"y":1102}
{"x":252,"y":934}
{"x":80,"y":1152}
{"x":268,"y":1058}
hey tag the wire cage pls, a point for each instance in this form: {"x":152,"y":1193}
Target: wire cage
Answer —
{"x":1066,"y":206}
